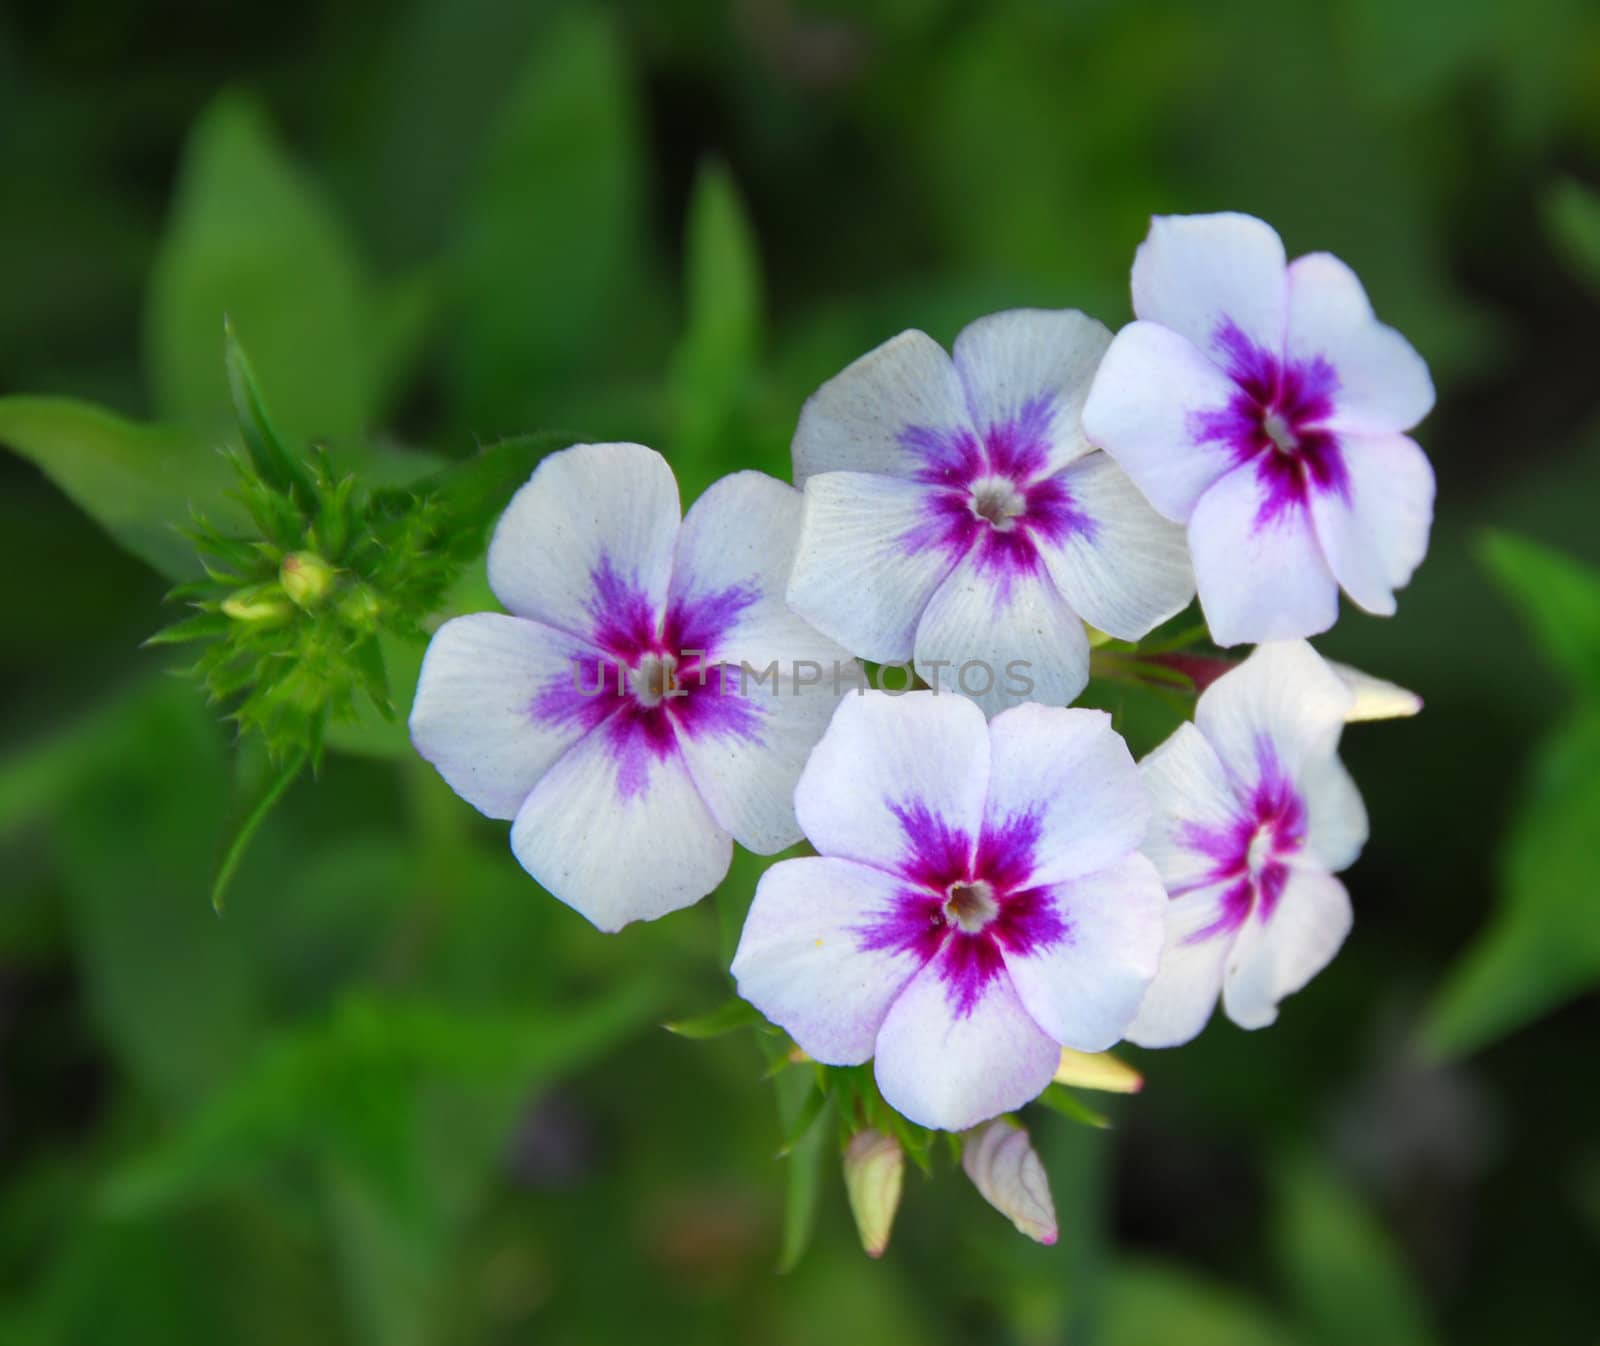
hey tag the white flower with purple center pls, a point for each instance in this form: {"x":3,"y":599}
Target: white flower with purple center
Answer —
{"x":611,"y":715}
{"x":956,"y":515}
{"x":1254,"y":814}
{"x":1261,"y":403}
{"x":979,"y":902}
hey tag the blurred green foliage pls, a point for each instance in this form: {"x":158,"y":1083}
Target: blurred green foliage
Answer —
{"x":397,"y":1096}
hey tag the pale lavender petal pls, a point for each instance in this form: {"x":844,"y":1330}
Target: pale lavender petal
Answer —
{"x":1193,"y":273}
{"x":586,"y":545}
{"x":1193,"y":801}
{"x":1085,"y":988}
{"x":1189,"y":979}
{"x":856,"y":422}
{"x":617,"y":830}
{"x":1336,"y":819}
{"x":1383,"y":383}
{"x":1006,"y":1170}
{"x":1260,"y":572}
{"x":1002,"y":636}
{"x":1154,"y":398}
{"x":897,"y":780}
{"x":1275,"y":957}
{"x":1065,"y":798}
{"x":498,"y":700}
{"x":1375,"y":534}
{"x":866,"y":563}
{"x":952,"y":1066}
{"x":1129,"y":570}
{"x":805,"y":962}
{"x":1009,"y":361}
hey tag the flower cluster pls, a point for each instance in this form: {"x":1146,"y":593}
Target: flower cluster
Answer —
{"x":997,"y":886}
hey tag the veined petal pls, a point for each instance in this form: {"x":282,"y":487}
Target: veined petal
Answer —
{"x":951,"y":1070}
{"x":1376,"y":534}
{"x":1064,"y":794}
{"x":1192,"y":801}
{"x":1148,"y":409}
{"x":1199,"y":934}
{"x":746,"y":761}
{"x":617,"y":831}
{"x":1275,"y":958}
{"x":734,"y":555}
{"x":1002,"y":637}
{"x":1261,"y":575}
{"x":805,"y":962}
{"x":857,"y":420}
{"x":1284,"y":696}
{"x":1085,"y":989}
{"x":1129,"y":570}
{"x":499,"y":699}
{"x":1008,"y":361}
{"x":895,"y":776}
{"x":1004,"y":1168}
{"x":1195,"y":273}
{"x":586,"y":545}
{"x":1383,"y":383}
{"x":864,"y":569}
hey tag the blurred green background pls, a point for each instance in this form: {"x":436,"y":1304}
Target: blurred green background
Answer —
{"x":395,"y":1096}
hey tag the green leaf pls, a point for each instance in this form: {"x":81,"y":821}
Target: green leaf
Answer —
{"x":726,"y":1018}
{"x":1148,"y":1304}
{"x":803,"y":1188}
{"x":1543,"y":944}
{"x":251,"y":240}
{"x":261,"y":784}
{"x":548,"y":267}
{"x":476,"y":490}
{"x":716,"y":356}
{"x":1572,"y":219}
{"x":804,"y":1123}
{"x":1060,"y":1099}
{"x":1344,"y":1274}
{"x":276,"y":464}
{"x":138,"y":482}
{"x":1558,"y":597}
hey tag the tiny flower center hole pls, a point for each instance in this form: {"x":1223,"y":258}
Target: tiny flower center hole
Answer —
{"x":1261,"y":849}
{"x":1280,"y":432}
{"x":654,"y":679}
{"x":998,"y":502}
{"x":971,"y":905}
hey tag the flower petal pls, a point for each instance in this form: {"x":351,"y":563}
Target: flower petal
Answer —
{"x":1376,"y":536}
{"x":1150,"y":398}
{"x":1285,"y":695}
{"x":1006,"y":1170}
{"x":1129,"y":570}
{"x":1189,"y":979}
{"x":1195,"y":273}
{"x":951,"y":1070}
{"x":1336,"y":821}
{"x":1084,"y":990}
{"x":734,"y":555}
{"x":803,"y":961}
{"x":862,"y":572}
{"x":1383,"y":383}
{"x":496,"y":705}
{"x":856,"y":420}
{"x":619,"y":833}
{"x":889,"y":765}
{"x":1002,"y":637}
{"x":586,"y":544}
{"x":1009,"y":360}
{"x":745,"y":763}
{"x":1275,"y":958}
{"x":1260,"y":578}
{"x":1063,"y":785}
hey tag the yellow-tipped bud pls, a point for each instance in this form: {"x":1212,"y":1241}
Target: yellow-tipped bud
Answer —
{"x":306,"y":578}
{"x":1376,"y":698}
{"x":1097,"y":1070}
{"x":874,"y":1169}
{"x":260,"y":604}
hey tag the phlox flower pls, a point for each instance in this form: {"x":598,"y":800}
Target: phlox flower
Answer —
{"x":609,"y":716}
{"x":978,"y":902}
{"x":1262,"y":404}
{"x":956,"y":515}
{"x":1254,"y":814}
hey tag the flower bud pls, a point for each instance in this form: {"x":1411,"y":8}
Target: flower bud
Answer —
{"x":1097,"y":1070}
{"x":305,"y":577}
{"x":360,"y":608}
{"x":260,"y":604}
{"x":1000,"y":1160}
{"x":1376,"y":699}
{"x":874,"y":1167}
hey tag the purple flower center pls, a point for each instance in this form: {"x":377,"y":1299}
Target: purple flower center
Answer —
{"x":1277,"y":419}
{"x":993,"y":494}
{"x":1249,"y":855}
{"x":966,"y":902}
